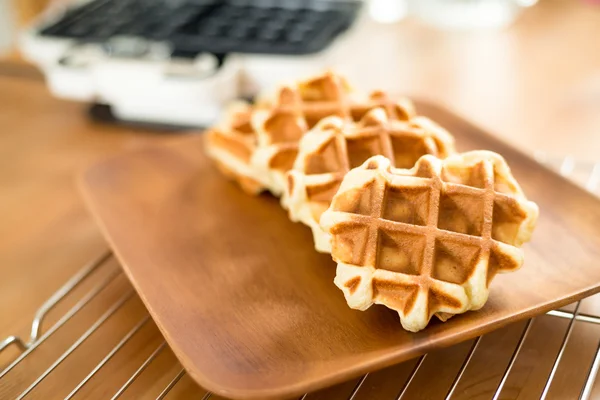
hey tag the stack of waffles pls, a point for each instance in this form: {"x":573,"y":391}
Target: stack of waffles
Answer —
{"x":411,"y":224}
{"x":257,"y":146}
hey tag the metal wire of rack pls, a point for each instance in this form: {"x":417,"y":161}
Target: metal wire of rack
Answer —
{"x":583,"y":173}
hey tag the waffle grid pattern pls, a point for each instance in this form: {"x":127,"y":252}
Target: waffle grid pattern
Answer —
{"x":276,"y":126}
{"x":280,"y":126}
{"x":450,"y":266}
{"x":334,"y":147}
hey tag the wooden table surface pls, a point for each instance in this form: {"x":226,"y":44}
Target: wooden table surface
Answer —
{"x":536,"y":84}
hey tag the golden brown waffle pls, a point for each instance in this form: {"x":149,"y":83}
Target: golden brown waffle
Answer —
{"x":231,"y":145}
{"x":335,"y":146}
{"x":298,"y":108}
{"x":430,"y":239}
{"x":267,"y":147}
{"x":329,"y":94}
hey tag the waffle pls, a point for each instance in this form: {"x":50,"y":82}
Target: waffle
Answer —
{"x":267,"y":149}
{"x":335,"y":146}
{"x":330,"y":94}
{"x":231,"y":145}
{"x":428,"y":240}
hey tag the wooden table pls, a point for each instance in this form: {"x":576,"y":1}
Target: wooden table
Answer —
{"x":536,"y":84}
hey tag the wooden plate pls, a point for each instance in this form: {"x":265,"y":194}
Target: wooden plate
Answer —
{"x":249,"y":307}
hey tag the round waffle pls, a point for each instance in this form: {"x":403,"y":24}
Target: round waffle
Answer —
{"x":428,"y":240}
{"x":335,"y":146}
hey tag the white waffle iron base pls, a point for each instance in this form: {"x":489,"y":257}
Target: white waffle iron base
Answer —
{"x":141,"y":82}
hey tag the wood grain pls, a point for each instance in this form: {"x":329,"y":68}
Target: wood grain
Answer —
{"x":535,"y":84}
{"x":46,"y":232}
{"x":247,"y":304}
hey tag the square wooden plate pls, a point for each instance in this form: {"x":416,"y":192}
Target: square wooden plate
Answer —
{"x":249,"y":306}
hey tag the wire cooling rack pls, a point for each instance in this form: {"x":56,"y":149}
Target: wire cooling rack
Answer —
{"x":406,"y":384}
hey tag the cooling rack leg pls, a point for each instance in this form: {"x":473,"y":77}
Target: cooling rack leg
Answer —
{"x":12,"y":340}
{"x":171,"y":385}
{"x":463,"y":368}
{"x":579,"y":317}
{"x":357,"y":387}
{"x":560,"y":352}
{"x":207,"y":396}
{"x":139,"y":371}
{"x":411,"y":377}
{"x":591,"y":377}
{"x":79,"y":341}
{"x":114,"y":351}
{"x":65,"y":318}
{"x":52,"y":302}
{"x":62,"y":292}
{"x":513,"y":358}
